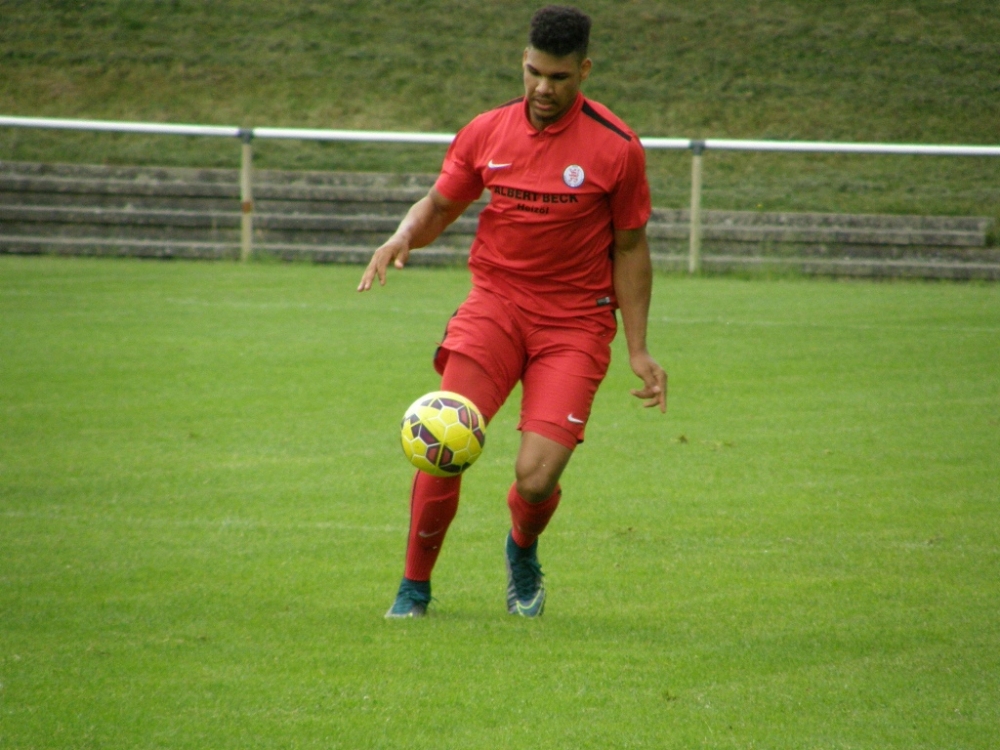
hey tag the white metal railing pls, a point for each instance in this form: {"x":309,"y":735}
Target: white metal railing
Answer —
{"x":696,"y":146}
{"x":107,"y":126}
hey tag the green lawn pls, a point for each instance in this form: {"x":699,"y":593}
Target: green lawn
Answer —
{"x":203,"y":515}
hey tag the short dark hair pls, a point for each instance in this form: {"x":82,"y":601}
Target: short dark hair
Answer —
{"x":559,"y":30}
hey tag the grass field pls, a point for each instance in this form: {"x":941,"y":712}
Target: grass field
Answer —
{"x":203,"y":515}
{"x":852,"y":70}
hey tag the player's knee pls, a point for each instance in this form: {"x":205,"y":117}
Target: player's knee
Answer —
{"x":540,"y":463}
{"x":536,"y":486}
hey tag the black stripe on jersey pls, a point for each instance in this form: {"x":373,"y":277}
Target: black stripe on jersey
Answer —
{"x":591,"y":112}
{"x":512,"y":101}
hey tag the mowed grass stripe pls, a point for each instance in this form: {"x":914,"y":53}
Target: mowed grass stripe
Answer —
{"x":203,"y":513}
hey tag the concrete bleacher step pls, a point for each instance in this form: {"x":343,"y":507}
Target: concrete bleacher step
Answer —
{"x":118,"y":247}
{"x":342,"y":217}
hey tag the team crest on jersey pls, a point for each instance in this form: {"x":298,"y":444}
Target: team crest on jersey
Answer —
{"x":573,"y":175}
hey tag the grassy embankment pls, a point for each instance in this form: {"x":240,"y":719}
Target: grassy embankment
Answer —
{"x":853,"y":71}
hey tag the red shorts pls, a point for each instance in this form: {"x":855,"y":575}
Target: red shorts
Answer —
{"x":560,"y":362}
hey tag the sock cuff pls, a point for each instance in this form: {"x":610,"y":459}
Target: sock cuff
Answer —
{"x":514,"y":499}
{"x":528,"y":520}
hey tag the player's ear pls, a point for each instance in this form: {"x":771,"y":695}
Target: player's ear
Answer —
{"x":585,"y":67}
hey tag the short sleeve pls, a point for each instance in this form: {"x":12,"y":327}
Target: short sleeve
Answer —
{"x":631,"y":206}
{"x":459,"y":180}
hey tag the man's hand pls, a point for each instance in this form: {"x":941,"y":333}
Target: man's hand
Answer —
{"x":653,"y":378}
{"x":633,"y":278}
{"x":394,"y":251}
{"x":423,"y":224}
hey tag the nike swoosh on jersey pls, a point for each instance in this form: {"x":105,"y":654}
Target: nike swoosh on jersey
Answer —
{"x":574,"y":420}
{"x":491,"y":165}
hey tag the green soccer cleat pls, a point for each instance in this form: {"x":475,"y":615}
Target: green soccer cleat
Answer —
{"x":411,"y":601}
{"x":525,"y":589}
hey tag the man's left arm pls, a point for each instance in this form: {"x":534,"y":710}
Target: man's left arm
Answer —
{"x":633,"y":281}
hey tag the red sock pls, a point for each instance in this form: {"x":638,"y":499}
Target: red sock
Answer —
{"x":433,"y":504}
{"x":528,"y":520}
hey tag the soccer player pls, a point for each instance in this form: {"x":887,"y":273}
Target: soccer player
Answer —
{"x":560,"y":246}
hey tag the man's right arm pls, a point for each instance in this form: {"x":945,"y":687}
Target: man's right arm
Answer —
{"x":423,"y":223}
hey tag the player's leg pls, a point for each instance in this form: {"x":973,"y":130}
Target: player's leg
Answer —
{"x":560,"y":382}
{"x":535,"y":493}
{"x":532,"y":500}
{"x":480,"y":359}
{"x":434,"y":500}
{"x":559,"y":390}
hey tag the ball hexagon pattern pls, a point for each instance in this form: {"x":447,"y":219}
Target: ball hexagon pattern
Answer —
{"x":443,"y":433}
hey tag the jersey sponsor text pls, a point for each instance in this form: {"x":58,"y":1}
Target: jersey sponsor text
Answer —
{"x":532,"y":197}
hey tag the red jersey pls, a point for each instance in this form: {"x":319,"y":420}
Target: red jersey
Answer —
{"x":556,"y":197}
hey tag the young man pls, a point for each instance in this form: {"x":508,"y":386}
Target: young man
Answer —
{"x":561,"y":245}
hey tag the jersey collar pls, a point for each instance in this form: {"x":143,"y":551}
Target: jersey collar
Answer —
{"x":561,"y":124}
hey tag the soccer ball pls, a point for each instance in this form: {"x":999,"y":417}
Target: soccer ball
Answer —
{"x":443,"y":433}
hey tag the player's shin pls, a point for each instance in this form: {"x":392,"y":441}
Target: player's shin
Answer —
{"x":433,"y":504}
{"x":528,"y":520}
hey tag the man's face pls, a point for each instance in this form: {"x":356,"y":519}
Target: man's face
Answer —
{"x":551,"y":84}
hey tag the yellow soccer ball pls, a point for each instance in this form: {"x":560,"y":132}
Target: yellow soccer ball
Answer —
{"x":443,"y":433}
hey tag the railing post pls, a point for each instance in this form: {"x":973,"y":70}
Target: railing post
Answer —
{"x":246,"y":195}
{"x":694,"y":251}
